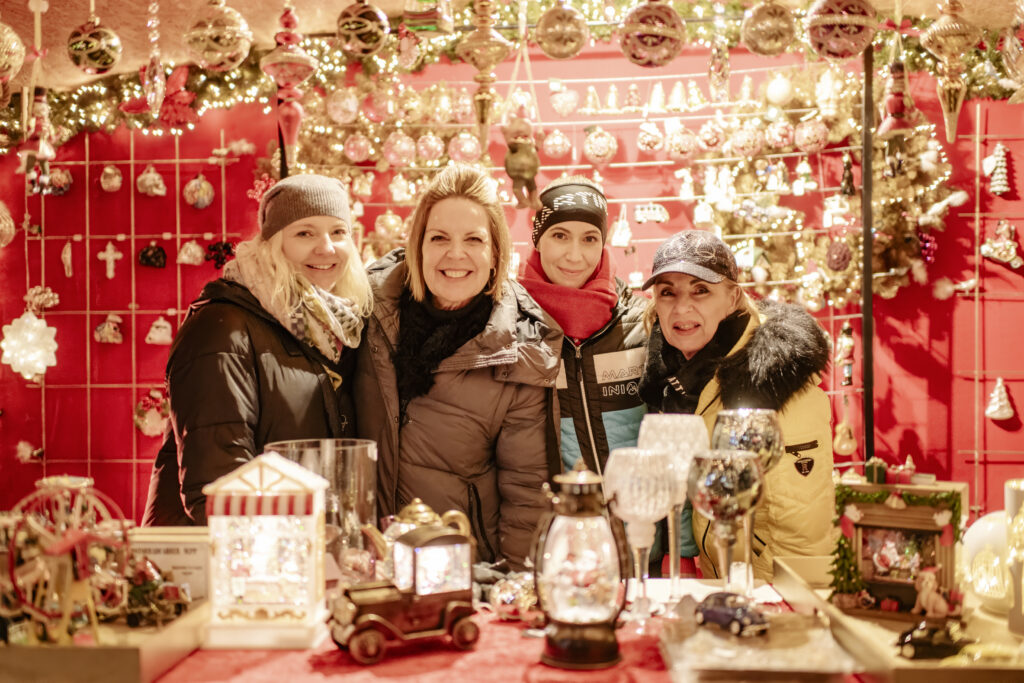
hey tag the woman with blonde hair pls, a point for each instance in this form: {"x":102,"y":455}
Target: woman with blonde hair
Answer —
{"x":452,"y":376}
{"x":267,"y":351}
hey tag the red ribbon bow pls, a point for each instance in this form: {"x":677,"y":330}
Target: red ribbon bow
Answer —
{"x":35,"y":53}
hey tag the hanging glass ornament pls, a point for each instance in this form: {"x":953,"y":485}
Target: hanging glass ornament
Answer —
{"x":357,"y":148}
{"x":999,"y":406}
{"x":464,"y":147}
{"x":343,"y":106}
{"x":677,"y":98}
{"x":463,"y":109}
{"x":748,"y":141}
{"x":592,"y":104}
{"x":600,"y":146}
{"x":779,"y":134}
{"x":652,"y":34}
{"x":811,"y":136}
{"x":429,"y":147}
{"x":711,"y":135}
{"x":381,"y":104}
{"x":650,"y":139}
{"x":12,"y":53}
{"x":949,"y":38}
{"x":682,"y":144}
{"x":442,"y":109}
{"x":219,"y":38}
{"x":767,"y":29}
{"x":362,"y":29}
{"x":94,"y":48}
{"x":779,"y":90}
{"x":198,"y":192}
{"x":289,"y":66}
{"x":632,"y":103}
{"x":399,"y":149}
{"x":29,"y":345}
{"x":556,"y":144}
{"x":564,"y":100}
{"x":410,"y":106}
{"x":154,"y":85}
{"x":191,"y":254}
{"x":620,"y":234}
{"x":561,"y":31}
{"x":840,"y":29}
{"x":718,"y":69}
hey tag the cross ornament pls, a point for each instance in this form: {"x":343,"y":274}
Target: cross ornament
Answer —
{"x":110,"y":255}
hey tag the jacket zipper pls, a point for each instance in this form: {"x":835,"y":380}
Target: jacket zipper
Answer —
{"x":478,"y":516}
{"x":797,"y":447}
{"x":586,"y":410}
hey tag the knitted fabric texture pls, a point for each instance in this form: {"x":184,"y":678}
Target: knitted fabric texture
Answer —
{"x":579,"y":312}
{"x":301,"y":196}
{"x":570,"y":202}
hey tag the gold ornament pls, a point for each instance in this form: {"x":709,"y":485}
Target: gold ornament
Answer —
{"x":767,"y":29}
{"x":362,"y":29}
{"x":12,"y":53}
{"x":949,"y":38}
{"x":840,"y":29}
{"x":652,"y":34}
{"x":94,"y":48}
{"x":561,"y":31}
{"x":219,"y":38}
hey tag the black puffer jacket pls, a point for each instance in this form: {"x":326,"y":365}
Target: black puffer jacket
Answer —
{"x":238,"y":380}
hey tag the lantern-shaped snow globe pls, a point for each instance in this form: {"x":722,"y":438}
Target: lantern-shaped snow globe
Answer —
{"x":266,"y":522}
{"x":580,"y":561}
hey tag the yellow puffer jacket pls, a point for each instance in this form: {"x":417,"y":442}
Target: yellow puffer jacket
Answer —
{"x":794,"y":516}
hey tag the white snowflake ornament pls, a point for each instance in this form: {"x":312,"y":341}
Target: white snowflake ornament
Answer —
{"x":29,"y":345}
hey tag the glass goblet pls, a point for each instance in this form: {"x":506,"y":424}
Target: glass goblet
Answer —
{"x":639,"y":494}
{"x":724,"y":486}
{"x":683,"y":436}
{"x":757,"y":430}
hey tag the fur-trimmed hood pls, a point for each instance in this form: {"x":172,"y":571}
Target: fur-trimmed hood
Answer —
{"x":775,"y":360}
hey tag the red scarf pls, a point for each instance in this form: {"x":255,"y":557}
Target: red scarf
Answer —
{"x":580,"y":312}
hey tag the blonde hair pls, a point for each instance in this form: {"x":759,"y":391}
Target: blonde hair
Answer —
{"x":268,"y":256}
{"x":743,"y":303}
{"x":469,"y":182}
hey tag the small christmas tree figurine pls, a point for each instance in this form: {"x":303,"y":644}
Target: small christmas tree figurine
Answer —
{"x":999,"y":407}
{"x":995,"y":168}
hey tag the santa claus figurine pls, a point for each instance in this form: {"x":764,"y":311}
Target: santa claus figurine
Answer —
{"x":37,"y":150}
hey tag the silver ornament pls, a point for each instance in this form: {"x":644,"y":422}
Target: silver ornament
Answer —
{"x":94,"y":48}
{"x":767,"y":29}
{"x":219,"y":38}
{"x":561,"y":31}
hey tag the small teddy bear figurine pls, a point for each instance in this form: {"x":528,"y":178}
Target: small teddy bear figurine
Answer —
{"x":521,"y":162}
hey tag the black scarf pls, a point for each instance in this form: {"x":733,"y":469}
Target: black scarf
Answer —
{"x":427,"y":335}
{"x":672,"y":384}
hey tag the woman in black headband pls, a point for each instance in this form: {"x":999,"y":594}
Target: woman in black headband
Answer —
{"x":570,"y":275}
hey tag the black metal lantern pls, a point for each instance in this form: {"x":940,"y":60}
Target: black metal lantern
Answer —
{"x":580,"y":560}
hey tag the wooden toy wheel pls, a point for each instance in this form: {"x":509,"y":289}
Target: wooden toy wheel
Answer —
{"x":367,"y":647}
{"x":465,"y":633}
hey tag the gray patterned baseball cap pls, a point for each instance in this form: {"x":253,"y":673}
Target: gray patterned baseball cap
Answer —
{"x":694,"y":252}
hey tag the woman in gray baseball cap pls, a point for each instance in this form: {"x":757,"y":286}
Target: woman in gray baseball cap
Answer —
{"x":267,"y":352}
{"x":712,"y":348}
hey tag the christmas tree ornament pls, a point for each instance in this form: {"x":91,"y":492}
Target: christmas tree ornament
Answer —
{"x":999,"y":406}
{"x":93,"y":47}
{"x":111,"y":178}
{"x":428,"y":17}
{"x":561,"y":31}
{"x":29,"y":345}
{"x":780,"y":134}
{"x":682,"y":144}
{"x":805,"y":181}
{"x":409,"y":49}
{"x":711,"y":135}
{"x":12,"y":53}
{"x":109,"y":331}
{"x":343,"y":106}
{"x":1003,"y":247}
{"x":110,"y":256}
{"x":768,"y":29}
{"x":410,"y":106}
{"x":357,"y":148}
{"x":556,"y":144}
{"x":631,"y":103}
{"x":995,"y":167}
{"x":7,"y":227}
{"x":599,"y":146}
{"x":564,"y":100}
{"x":464,"y":147}
{"x":399,"y":149}
{"x":289,"y":66}
{"x":843,"y":356}
{"x":846,"y":188}
{"x":442,"y":106}
{"x":362,"y":29}
{"x":652,"y":34}
{"x":649,"y":139}
{"x":656,"y":102}
{"x":844,"y":442}
{"x":719,"y":69}
{"x":219,"y":37}
{"x":840,"y":29}
{"x":362,"y":185}
{"x":779,"y":90}
{"x":160,"y":332}
{"x":198,"y":192}
{"x":60,"y":182}
{"x":153,"y":256}
{"x":695,"y":100}
{"x":429,"y":147}
{"x":612,"y":102}
{"x":402,"y":190}
{"x":748,"y":141}
{"x":152,"y":413}
{"x":151,"y":183}
{"x":620,"y":234}
{"x":463,"y":107}
{"x":190,"y":254}
{"x":154,"y":80}
{"x":811,"y":136}
{"x":37,"y":151}
{"x":949,"y":38}
{"x":895,"y":125}
{"x":677,"y":98}
{"x":381,"y":104}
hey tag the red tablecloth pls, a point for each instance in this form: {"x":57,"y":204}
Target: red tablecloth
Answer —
{"x":502,"y":654}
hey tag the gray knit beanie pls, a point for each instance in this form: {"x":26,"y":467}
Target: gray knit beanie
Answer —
{"x":301,"y":196}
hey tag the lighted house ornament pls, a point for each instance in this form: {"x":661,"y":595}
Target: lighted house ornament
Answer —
{"x":266,"y":522}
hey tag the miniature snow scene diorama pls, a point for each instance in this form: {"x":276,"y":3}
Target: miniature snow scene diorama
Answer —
{"x":266,"y":524}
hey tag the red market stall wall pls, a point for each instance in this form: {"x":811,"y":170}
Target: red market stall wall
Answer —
{"x":935,"y":360}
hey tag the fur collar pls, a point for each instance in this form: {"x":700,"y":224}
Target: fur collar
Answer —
{"x":779,"y":358}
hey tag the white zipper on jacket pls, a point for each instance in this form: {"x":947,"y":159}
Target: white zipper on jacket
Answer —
{"x":586,"y":410}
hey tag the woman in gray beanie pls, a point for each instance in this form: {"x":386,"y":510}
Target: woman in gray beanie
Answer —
{"x":267,"y":351}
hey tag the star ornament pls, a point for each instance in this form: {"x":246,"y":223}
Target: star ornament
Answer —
{"x":29,"y":345}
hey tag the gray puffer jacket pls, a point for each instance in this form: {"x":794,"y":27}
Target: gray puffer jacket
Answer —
{"x":476,"y":441}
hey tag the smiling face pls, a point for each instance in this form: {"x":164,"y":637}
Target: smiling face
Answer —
{"x":457,"y":252}
{"x":319,"y":247}
{"x":689,"y":309}
{"x":570,"y":251}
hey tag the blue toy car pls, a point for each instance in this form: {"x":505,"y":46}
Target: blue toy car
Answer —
{"x":732,"y":612}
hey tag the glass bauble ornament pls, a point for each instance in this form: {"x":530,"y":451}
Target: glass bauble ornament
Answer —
{"x":747,"y":142}
{"x":94,"y":48}
{"x":362,"y":29}
{"x":811,"y":136}
{"x":564,"y":101}
{"x":7,"y":227}
{"x":682,"y":144}
{"x":599,"y":146}
{"x":441,"y":107}
{"x":198,"y":192}
{"x":12,"y":53}
{"x":711,"y":135}
{"x":343,"y":106}
{"x":779,"y":90}
{"x":840,"y":29}
{"x":463,"y":108}
{"x":652,"y":34}
{"x":464,"y":147}
{"x":399,"y":149}
{"x":219,"y":38}
{"x":767,"y":29}
{"x":429,"y":147}
{"x":154,"y":86}
{"x":557,"y":144}
{"x":650,"y":138}
{"x":357,"y":148}
{"x":779,"y":134}
{"x":561,"y":31}
{"x":381,"y":104}
{"x":410,"y":106}
{"x":948,"y":39}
